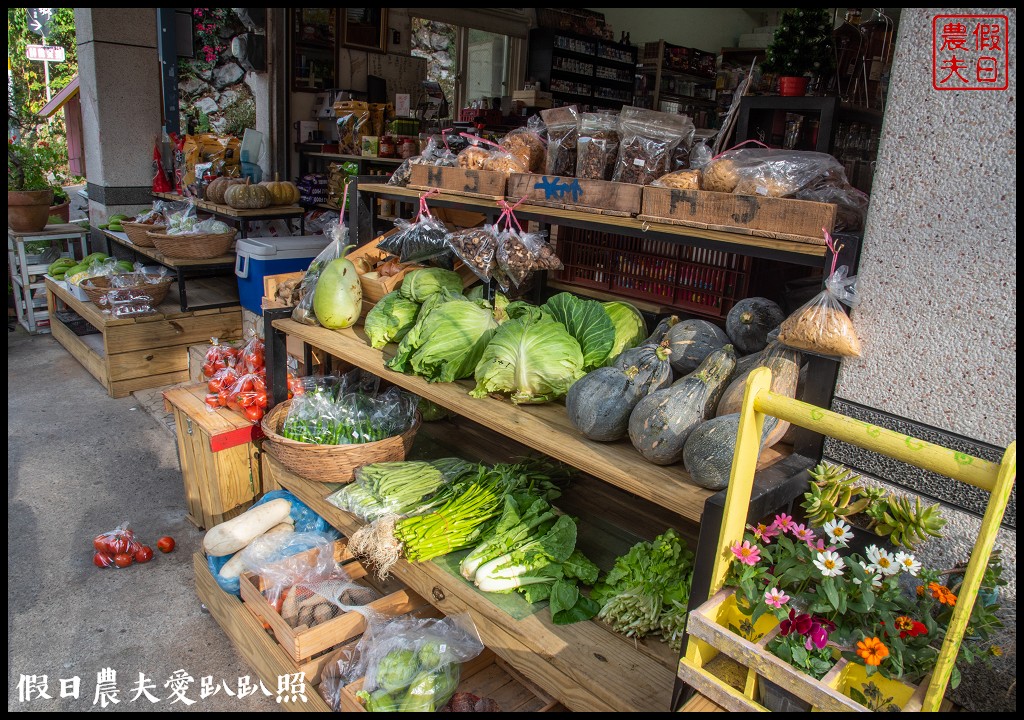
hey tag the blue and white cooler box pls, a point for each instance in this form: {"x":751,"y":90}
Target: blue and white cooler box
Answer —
{"x":258,"y":257}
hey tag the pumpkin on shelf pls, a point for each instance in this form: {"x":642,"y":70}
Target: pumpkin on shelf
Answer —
{"x":218,"y":186}
{"x":282,"y":192}
{"x":247,"y":196}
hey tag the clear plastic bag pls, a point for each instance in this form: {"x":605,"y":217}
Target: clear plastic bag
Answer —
{"x":520,"y":253}
{"x":563,"y":134}
{"x":181,"y":219}
{"x":119,"y":541}
{"x":389,"y":488}
{"x":219,"y":357}
{"x":436,"y":153}
{"x":283,"y":560}
{"x":475,"y":247}
{"x":412,"y":664}
{"x":252,"y":356}
{"x":249,"y":395}
{"x":417,"y":241}
{"x":343,"y":667}
{"x":303,"y":312}
{"x":526,"y":145}
{"x":597,"y":146}
{"x":700,"y":155}
{"x":822,"y":326}
{"x":648,"y":141}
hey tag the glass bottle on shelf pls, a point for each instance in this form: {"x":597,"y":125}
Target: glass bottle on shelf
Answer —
{"x":878,"y":49}
{"x":848,"y":42}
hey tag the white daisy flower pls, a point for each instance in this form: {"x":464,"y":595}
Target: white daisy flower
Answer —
{"x":830,"y":563}
{"x":885,"y":563}
{"x":907,"y":563}
{"x":838,"y":531}
{"x":872,"y":552}
{"x":873,"y":576}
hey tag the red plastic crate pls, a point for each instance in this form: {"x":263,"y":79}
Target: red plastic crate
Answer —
{"x":700,"y":281}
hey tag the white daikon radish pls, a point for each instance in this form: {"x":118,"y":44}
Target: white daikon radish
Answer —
{"x":234,"y":567}
{"x":232,"y":535}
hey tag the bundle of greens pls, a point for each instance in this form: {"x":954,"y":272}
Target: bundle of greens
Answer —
{"x":648,"y":589}
{"x":320,"y":418}
{"x":532,"y":549}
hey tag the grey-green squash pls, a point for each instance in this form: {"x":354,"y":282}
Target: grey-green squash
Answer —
{"x":709,"y":449}
{"x":599,"y":404}
{"x":691,"y":342}
{"x":661,"y":422}
{"x":661,"y":329}
{"x":746,"y":363}
{"x":749,"y":322}
{"x":784,"y":362}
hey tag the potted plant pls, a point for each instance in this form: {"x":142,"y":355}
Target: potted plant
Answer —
{"x":800,"y":49}
{"x":29,"y":194}
{"x":855,"y":628}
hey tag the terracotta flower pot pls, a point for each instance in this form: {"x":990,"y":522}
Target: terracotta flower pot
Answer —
{"x":63,"y":211}
{"x":27,"y":210}
{"x":793,"y":86}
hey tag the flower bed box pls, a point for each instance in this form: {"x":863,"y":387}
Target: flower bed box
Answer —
{"x":719,"y":645}
{"x":778,"y":218}
{"x":597,"y":196}
{"x":307,"y":645}
{"x":486,"y":184}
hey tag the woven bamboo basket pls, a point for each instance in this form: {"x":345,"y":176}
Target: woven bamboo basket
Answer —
{"x":138,"y":233}
{"x":96,"y":289}
{"x":330,"y":463}
{"x":193,"y":247}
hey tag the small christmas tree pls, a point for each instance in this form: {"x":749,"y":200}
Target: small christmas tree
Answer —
{"x":802,"y":44}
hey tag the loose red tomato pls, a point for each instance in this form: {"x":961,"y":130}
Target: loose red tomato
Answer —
{"x":102,"y":560}
{"x":143,"y":554}
{"x":165,"y":544}
{"x":123,"y":560}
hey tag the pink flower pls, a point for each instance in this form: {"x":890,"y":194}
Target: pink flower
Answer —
{"x":746,"y":553}
{"x":801,"y":532}
{"x":776,"y":598}
{"x":783,"y":522}
{"x":763,"y":532}
{"x":820,"y":546}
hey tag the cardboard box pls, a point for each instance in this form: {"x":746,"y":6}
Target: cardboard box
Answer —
{"x":533,"y":98}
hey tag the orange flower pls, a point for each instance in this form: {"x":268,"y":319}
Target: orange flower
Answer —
{"x":872,"y":651}
{"x":942,"y":594}
{"x":920,"y":590}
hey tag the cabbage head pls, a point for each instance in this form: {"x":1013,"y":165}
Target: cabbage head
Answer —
{"x":447,"y":344}
{"x":418,"y":285}
{"x":534,"y":361}
{"x":390,"y":319}
{"x":630,"y":327}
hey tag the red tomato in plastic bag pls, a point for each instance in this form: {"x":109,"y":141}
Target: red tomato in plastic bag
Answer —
{"x":254,"y":413}
{"x":102,"y":560}
{"x":123,"y":560}
{"x":143,"y":554}
{"x":212,"y":401}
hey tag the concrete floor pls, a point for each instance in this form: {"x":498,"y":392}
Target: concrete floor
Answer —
{"x":79,"y":463}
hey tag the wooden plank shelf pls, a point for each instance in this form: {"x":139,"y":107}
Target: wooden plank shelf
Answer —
{"x":158,"y":257}
{"x":274,"y":211}
{"x":585,"y":666}
{"x":545,"y":428}
{"x":135,"y":353}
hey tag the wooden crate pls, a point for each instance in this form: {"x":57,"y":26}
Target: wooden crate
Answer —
{"x":219,"y":460}
{"x":459,"y":181}
{"x":721,"y":652}
{"x":597,"y":196}
{"x":486,"y":676}
{"x":374,"y":290}
{"x":305,"y":645}
{"x":270,"y":283}
{"x":779,"y":218}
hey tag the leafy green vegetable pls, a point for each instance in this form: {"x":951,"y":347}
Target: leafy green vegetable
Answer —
{"x":514,"y":527}
{"x":587,"y":321}
{"x":630,"y":327}
{"x":648,"y":589}
{"x":390,"y":319}
{"x":520,"y":310}
{"x":430,"y":690}
{"x":568,"y":605}
{"x":418,"y":285}
{"x":378,"y":701}
{"x":534,"y":361}
{"x":537,"y":561}
{"x":476,"y":293}
{"x":580,"y":568}
{"x":396,"y":670}
{"x":431,"y":411}
{"x":447,"y":344}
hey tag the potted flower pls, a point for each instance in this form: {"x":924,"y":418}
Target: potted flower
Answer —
{"x":861,"y":628}
{"x":29,"y":194}
{"x":801,"y":48}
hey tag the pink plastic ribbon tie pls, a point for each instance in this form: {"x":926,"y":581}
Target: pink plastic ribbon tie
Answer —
{"x":424,"y":210}
{"x":831,"y":244}
{"x":736,"y":147}
{"x":508,"y":213}
{"x":483,"y":140}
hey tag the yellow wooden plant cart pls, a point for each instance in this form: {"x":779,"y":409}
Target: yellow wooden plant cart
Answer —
{"x":710,"y":640}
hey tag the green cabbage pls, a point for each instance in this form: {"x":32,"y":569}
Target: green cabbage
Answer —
{"x":630,"y":328}
{"x":586,"y":321}
{"x":534,"y":361}
{"x":447,"y":344}
{"x":436,"y":299}
{"x":390,"y":319}
{"x":418,"y":285}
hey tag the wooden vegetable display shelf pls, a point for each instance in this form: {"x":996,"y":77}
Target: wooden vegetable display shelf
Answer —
{"x":135,"y":353}
{"x":243,"y":217}
{"x":543,"y":427}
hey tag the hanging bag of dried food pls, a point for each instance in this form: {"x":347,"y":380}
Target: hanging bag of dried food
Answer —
{"x":519,"y":252}
{"x":422,"y":239}
{"x":475,"y":247}
{"x":648,"y":141}
{"x":822,"y":326}
{"x":563,"y":126}
{"x":597,"y":146}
